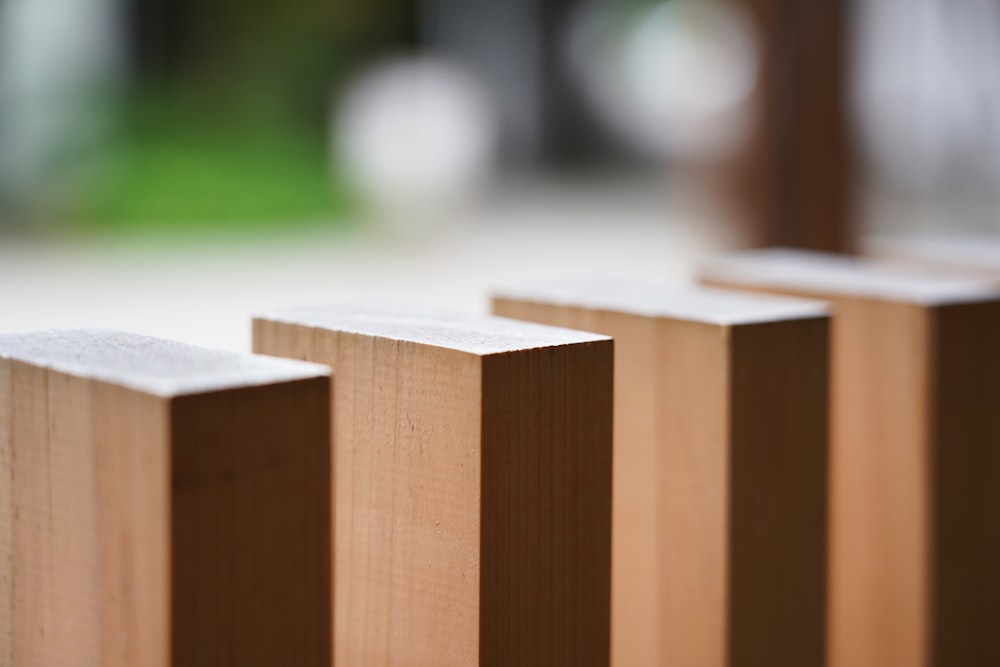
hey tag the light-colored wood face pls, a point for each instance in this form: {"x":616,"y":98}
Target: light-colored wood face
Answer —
{"x":879,"y":533}
{"x":681,"y":547}
{"x":406,"y":471}
{"x":408,"y":564}
{"x":885,"y":479}
{"x":50,"y":607}
{"x":86,"y":578}
{"x":142,"y":530}
{"x":472,"y":487}
{"x":693,"y":540}
{"x":131,"y":457}
{"x":6,"y":515}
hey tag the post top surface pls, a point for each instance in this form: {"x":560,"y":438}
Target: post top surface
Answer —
{"x":979,"y":252}
{"x":476,"y":334}
{"x":698,"y":304}
{"x":152,"y":365}
{"x":834,"y":275}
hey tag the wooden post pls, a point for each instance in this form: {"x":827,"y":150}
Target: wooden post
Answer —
{"x":793,"y":183}
{"x":719,"y":469}
{"x":915,"y":426}
{"x":161,"y":504}
{"x":472,"y":464}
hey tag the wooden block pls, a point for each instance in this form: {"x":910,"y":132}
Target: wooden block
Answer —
{"x":973,"y":256}
{"x":472,"y":460}
{"x":719,"y":468}
{"x":161,"y":504}
{"x":915,"y":538}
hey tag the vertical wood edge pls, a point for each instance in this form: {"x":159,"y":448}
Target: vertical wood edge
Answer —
{"x":778,"y":492}
{"x":964,"y":504}
{"x":546,"y":533}
{"x":6,"y":514}
{"x":250,"y":525}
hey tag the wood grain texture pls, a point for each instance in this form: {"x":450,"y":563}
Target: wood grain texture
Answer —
{"x":472,"y":476}
{"x":719,"y":468}
{"x":965,"y":430}
{"x":162,"y":505}
{"x":914,"y":427}
{"x":6,"y":517}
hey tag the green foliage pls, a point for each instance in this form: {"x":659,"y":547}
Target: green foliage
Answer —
{"x":178,"y":167}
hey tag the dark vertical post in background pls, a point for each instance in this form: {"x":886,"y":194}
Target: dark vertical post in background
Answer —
{"x":794,"y":181}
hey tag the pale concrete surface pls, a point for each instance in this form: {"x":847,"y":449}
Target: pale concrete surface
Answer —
{"x":203,"y":291}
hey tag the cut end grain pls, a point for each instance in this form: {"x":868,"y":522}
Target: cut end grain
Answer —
{"x":147,"y":364}
{"x":697,"y":304}
{"x":481,"y":335}
{"x":840,"y":276}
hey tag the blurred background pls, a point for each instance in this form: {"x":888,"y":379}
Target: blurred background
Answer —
{"x":168,"y":166}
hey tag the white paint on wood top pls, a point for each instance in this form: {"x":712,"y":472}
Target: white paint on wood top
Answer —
{"x":692,"y":303}
{"x":836,"y":275}
{"x":475,"y":334}
{"x":152,"y":365}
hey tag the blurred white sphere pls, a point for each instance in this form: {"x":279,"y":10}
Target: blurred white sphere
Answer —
{"x":672,"y":80}
{"x":415,"y":136}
